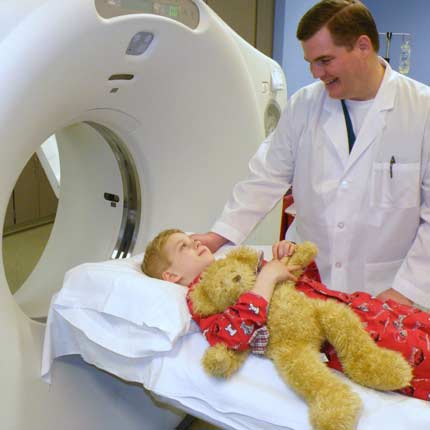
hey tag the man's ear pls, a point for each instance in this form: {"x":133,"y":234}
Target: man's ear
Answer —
{"x":171,"y":277}
{"x":364,"y":43}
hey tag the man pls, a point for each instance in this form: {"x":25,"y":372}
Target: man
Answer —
{"x":360,"y":169}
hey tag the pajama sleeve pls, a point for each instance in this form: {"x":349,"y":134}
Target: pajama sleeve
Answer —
{"x":235,"y":326}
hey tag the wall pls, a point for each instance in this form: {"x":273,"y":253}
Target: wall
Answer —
{"x":399,"y":16}
{"x":286,"y":48}
{"x":412,"y":16}
{"x":252,"y":19}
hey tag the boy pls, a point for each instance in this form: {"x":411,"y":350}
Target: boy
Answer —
{"x":177,"y":257}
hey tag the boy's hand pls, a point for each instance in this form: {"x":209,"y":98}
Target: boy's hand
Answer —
{"x":273,"y":272}
{"x":282,"y":249}
{"x":277,"y":271}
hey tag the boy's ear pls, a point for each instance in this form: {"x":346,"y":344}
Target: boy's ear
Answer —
{"x":171,"y":276}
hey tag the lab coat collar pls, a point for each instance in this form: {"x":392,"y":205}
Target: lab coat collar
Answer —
{"x":373,"y":125}
{"x":375,"y":121}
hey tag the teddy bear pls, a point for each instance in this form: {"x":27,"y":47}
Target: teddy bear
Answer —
{"x":298,"y":327}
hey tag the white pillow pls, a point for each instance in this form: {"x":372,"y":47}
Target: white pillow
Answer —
{"x":117,"y":306}
{"x":121,"y":309}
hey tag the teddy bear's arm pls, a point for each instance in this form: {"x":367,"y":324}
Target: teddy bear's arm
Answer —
{"x":221,"y":362}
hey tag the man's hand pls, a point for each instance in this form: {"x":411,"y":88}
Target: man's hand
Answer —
{"x":212,"y":240}
{"x":394,"y":295}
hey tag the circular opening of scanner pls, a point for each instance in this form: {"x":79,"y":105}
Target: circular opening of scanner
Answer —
{"x":131,"y":203}
{"x":31,"y":213}
{"x":97,"y":217}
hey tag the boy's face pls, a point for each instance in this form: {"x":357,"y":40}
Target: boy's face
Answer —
{"x":188,"y":258}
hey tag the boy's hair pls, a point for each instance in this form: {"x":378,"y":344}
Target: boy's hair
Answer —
{"x":346,"y":20}
{"x":155,"y":261}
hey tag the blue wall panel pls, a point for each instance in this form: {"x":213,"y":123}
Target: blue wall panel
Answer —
{"x":411,"y":16}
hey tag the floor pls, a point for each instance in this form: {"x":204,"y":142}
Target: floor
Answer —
{"x":21,"y":252}
{"x":201,"y":425}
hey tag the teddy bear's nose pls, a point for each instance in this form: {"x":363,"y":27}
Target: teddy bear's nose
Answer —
{"x":237,"y":278}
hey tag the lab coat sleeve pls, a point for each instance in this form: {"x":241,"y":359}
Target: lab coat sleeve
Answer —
{"x":413,"y":278}
{"x":270,"y":175}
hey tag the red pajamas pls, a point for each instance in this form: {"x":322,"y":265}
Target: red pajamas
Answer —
{"x":401,"y":328}
{"x":237,"y":325}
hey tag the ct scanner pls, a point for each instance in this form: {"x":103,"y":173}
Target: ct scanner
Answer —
{"x":156,"y":106}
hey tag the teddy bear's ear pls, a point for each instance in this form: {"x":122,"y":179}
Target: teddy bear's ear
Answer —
{"x":246,"y":255}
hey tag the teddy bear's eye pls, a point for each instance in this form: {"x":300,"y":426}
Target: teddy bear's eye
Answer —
{"x":237,"y":278}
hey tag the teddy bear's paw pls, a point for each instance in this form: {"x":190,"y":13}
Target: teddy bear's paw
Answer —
{"x":337,"y":410}
{"x":221,"y":362}
{"x":305,"y":252}
{"x":381,"y":369}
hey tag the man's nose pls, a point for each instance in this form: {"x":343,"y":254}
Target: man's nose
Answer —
{"x":317,"y":70}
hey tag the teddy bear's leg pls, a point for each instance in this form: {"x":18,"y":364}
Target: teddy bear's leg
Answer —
{"x":222,"y":362}
{"x":362,"y":359}
{"x":332,"y":403}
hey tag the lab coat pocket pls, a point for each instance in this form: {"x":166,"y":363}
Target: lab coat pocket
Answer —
{"x":379,"y":276}
{"x":395,"y":185}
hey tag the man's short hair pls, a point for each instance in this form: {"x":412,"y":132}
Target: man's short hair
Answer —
{"x":155,"y":261}
{"x":346,"y":20}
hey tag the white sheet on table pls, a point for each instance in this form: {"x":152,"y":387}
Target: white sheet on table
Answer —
{"x":253,"y":399}
{"x":256,"y":394}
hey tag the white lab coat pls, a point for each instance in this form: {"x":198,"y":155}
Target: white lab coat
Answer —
{"x":372,"y":228}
